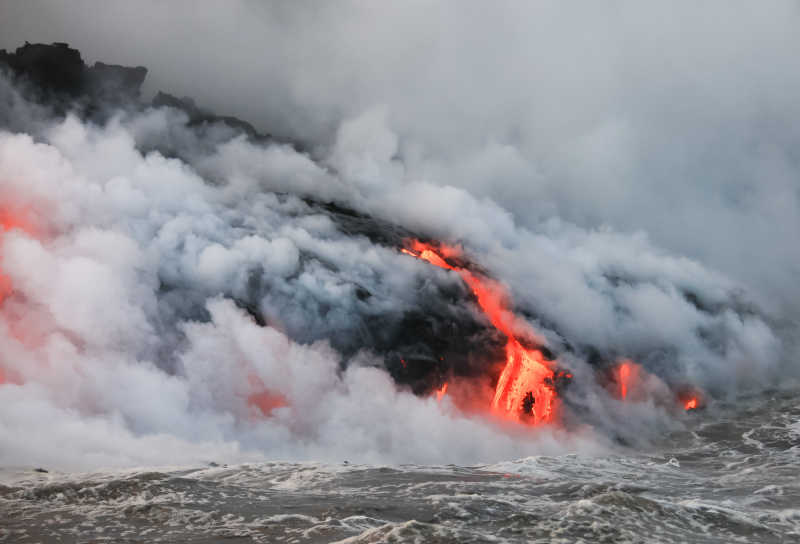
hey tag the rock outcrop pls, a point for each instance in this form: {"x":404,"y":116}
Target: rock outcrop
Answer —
{"x":56,"y":75}
{"x":57,"y":71}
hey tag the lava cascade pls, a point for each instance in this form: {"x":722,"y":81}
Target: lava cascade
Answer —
{"x":525,"y":388}
{"x":627,"y":374}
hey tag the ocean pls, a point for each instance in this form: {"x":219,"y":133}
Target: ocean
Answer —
{"x":733,"y":475}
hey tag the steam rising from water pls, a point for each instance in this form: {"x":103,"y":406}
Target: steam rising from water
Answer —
{"x":127,"y":336}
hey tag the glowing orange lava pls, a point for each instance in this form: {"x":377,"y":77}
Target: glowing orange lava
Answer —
{"x":626,"y":375}
{"x":266,"y":401}
{"x":18,"y":219}
{"x":8,"y":221}
{"x":629,"y":379}
{"x":441,"y":392}
{"x":524,"y":389}
{"x":691,"y":398}
{"x":262,"y":401}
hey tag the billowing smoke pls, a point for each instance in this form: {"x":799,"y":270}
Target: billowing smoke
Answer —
{"x":676,"y":120}
{"x":182,"y":290}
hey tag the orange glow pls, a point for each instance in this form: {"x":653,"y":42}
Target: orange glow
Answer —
{"x":21,"y":329}
{"x":626,"y":376}
{"x":691,"y":398}
{"x":441,"y":392}
{"x":524,"y":389}
{"x":266,"y":401}
{"x":9,"y":221}
{"x":5,"y":286}
{"x":263,"y":401}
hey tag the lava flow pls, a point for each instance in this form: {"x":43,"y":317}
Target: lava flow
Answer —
{"x":691,"y":399}
{"x":525,"y":388}
{"x":626,"y":375}
{"x":10,"y":221}
{"x":441,"y":392}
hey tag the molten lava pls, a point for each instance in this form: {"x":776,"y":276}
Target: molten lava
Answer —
{"x":441,"y":392}
{"x":626,"y":375}
{"x":265,"y":402}
{"x":18,"y":219}
{"x":629,"y":377}
{"x":525,"y":387}
{"x":691,"y":398}
{"x":9,"y":221}
{"x":262,"y":401}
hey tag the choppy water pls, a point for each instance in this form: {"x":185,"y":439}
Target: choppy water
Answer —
{"x":733,"y":476}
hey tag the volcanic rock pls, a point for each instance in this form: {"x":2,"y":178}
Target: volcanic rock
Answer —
{"x":57,"y":72}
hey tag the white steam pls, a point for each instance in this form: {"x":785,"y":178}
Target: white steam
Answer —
{"x":562,"y":146}
{"x":101,"y":357}
{"x":678,"y":119}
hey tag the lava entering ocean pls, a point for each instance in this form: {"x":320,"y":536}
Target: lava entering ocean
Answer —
{"x":525,"y":389}
{"x":629,"y":384}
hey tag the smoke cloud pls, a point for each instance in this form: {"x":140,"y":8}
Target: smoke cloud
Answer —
{"x":181,"y":295}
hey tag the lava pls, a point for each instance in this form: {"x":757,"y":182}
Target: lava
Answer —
{"x":18,"y":219}
{"x":266,"y":401}
{"x":525,"y":387}
{"x":626,"y":375}
{"x":262,"y":401}
{"x":691,"y":399}
{"x":441,"y":392}
{"x":629,"y":378}
{"x":10,"y":220}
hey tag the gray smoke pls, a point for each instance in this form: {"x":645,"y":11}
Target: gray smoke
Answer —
{"x":677,"y":120}
{"x":628,"y":175}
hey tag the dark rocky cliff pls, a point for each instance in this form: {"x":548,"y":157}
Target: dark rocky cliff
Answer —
{"x":56,"y":75}
{"x":58,"y":71}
